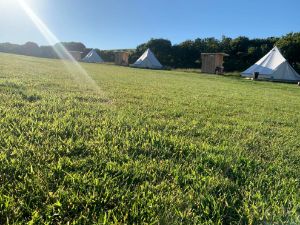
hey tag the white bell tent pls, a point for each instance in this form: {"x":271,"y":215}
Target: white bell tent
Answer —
{"x":273,"y":66}
{"x":148,"y":60}
{"x":92,"y":57}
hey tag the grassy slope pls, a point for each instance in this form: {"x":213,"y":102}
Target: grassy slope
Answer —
{"x":149,"y":146}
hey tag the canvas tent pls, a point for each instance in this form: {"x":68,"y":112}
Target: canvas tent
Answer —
{"x":148,"y":60}
{"x":273,"y":66}
{"x":92,"y":57}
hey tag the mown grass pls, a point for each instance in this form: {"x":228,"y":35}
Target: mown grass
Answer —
{"x":155,"y":147}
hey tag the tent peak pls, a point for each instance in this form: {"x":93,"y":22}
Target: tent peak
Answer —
{"x":92,"y":57}
{"x":148,"y":60}
{"x":273,"y":66}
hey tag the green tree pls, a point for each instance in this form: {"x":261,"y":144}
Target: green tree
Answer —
{"x":186,"y":55}
{"x":30,"y":48}
{"x":290,"y":48}
{"x":74,"y":46}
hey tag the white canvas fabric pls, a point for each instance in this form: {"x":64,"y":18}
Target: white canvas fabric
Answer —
{"x":148,"y":60}
{"x":92,"y":57}
{"x":273,"y":66}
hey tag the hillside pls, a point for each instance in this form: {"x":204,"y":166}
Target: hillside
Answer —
{"x":141,"y":146}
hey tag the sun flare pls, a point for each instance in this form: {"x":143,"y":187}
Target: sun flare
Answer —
{"x":61,"y":51}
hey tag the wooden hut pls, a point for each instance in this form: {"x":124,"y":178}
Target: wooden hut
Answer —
{"x":121,"y":58}
{"x":213,"y":63}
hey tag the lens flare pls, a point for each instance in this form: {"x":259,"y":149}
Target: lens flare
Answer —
{"x":76,"y":70}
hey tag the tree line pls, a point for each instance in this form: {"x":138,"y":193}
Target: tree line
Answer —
{"x":243,"y":52}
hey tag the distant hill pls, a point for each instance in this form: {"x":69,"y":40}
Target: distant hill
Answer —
{"x":33,"y":49}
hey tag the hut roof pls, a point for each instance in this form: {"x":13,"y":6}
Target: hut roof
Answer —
{"x":215,"y":53}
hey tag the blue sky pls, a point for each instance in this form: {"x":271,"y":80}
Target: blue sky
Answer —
{"x":114,"y":24}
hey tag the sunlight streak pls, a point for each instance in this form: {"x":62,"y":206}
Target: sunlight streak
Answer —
{"x":73,"y":66}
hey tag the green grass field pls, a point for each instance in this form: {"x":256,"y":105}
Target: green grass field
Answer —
{"x":142,"y":146}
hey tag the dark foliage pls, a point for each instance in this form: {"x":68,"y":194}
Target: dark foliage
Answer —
{"x":74,"y":46}
{"x":243,"y":52}
{"x":107,"y":56}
